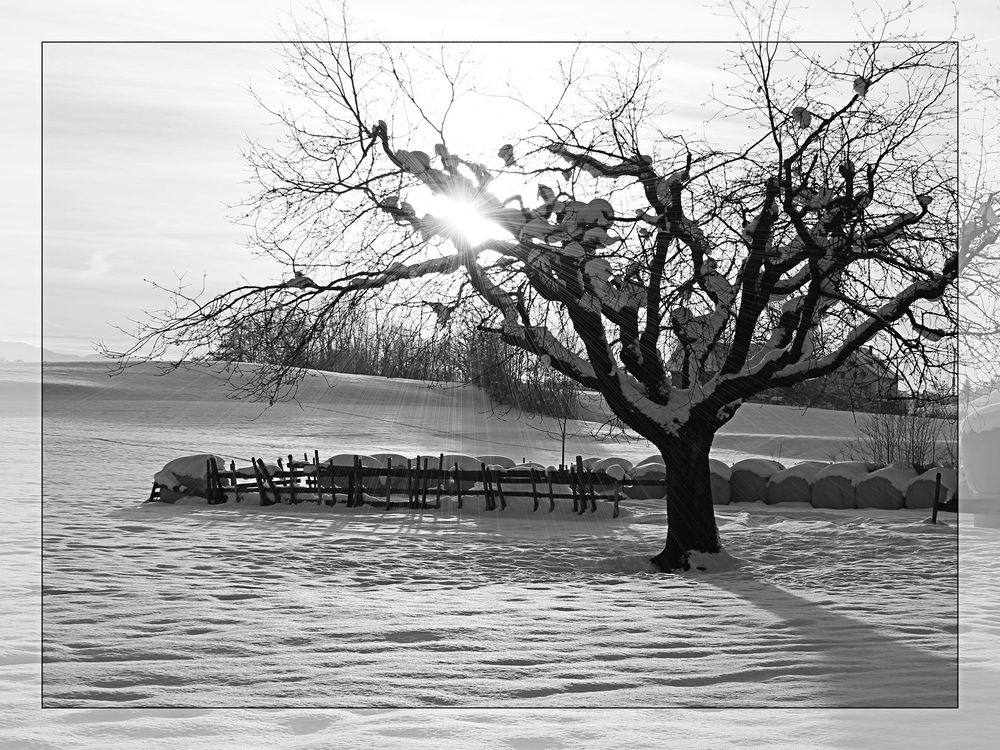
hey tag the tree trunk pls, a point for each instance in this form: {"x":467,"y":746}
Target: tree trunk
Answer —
{"x":691,"y":523}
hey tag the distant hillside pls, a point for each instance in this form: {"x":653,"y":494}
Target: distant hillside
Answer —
{"x":336,"y":412}
{"x":13,"y":351}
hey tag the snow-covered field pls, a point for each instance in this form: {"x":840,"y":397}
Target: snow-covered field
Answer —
{"x":163,"y":612}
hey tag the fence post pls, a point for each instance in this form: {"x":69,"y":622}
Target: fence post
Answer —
{"x":352,"y":489}
{"x":937,"y":496}
{"x":440,"y":481}
{"x":359,"y":483}
{"x":209,"y":484}
{"x":409,"y":482}
{"x":220,"y":493}
{"x":552,"y":497}
{"x":388,"y":483}
{"x":350,"y":484}
{"x":333,"y":485}
{"x":576,"y":485}
{"x":423,"y":496}
{"x":260,"y":481}
{"x":534,"y":491}
{"x":503,"y":500}
{"x":233,"y":478}
{"x":261,"y":487}
{"x":415,"y":499}
{"x":486,"y":487}
{"x":319,"y":487}
{"x":270,"y":480}
{"x":210,"y":491}
{"x":291,"y":479}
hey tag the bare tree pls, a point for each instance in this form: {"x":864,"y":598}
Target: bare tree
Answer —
{"x":830,"y":229}
{"x":979,"y":208}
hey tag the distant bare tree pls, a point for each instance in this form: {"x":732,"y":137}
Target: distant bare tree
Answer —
{"x":979,"y":208}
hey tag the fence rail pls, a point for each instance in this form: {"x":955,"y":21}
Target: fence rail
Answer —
{"x":309,"y":480}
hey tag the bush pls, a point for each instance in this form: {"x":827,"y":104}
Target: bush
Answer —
{"x":926,"y":437}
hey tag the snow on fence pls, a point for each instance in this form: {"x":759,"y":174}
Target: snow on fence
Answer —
{"x":393,"y":481}
{"x":416,"y":484}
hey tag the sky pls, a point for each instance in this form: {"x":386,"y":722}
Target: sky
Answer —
{"x":141,"y":147}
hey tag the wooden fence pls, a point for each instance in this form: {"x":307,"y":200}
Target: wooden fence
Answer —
{"x":420,"y":483}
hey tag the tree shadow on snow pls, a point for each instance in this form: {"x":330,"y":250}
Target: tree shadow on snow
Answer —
{"x":856,"y":660}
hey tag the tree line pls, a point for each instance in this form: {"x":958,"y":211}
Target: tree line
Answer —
{"x":360,"y":341}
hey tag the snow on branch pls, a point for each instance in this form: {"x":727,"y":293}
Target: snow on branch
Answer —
{"x":540,"y":341}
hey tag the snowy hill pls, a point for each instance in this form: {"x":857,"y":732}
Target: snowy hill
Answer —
{"x":16,"y":351}
{"x":372,"y":414}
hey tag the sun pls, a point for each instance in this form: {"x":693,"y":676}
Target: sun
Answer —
{"x":465,"y":217}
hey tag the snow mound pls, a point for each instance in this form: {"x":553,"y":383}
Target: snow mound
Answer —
{"x":502,"y":461}
{"x":346,"y":460}
{"x":187,"y":475}
{"x":833,"y":488}
{"x":398,"y":460}
{"x":794,"y":484}
{"x":616,"y":472}
{"x":516,"y":486}
{"x":605,"y":463}
{"x":849,"y":469}
{"x":920,"y":491}
{"x":721,"y":476}
{"x":712,"y":562}
{"x":528,"y":465}
{"x":886,"y":488}
{"x":748,"y":483}
{"x":615,"y":468}
{"x":656,"y":458}
{"x":646,"y":472}
{"x":465,"y":463}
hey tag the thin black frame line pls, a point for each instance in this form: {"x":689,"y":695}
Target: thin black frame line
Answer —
{"x":42,"y":45}
{"x":41,"y":376}
{"x":403,"y":707}
{"x":499,"y":41}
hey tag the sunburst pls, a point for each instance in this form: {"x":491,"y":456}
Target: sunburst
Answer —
{"x":465,"y":217}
